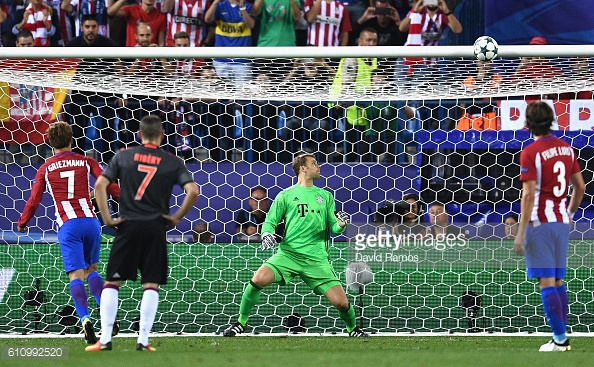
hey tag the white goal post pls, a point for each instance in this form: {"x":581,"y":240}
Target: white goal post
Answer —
{"x":451,"y":134}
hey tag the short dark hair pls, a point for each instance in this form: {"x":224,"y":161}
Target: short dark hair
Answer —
{"x":368,"y":29}
{"x":301,"y":160}
{"x":24,"y":33}
{"x":438,"y":203}
{"x":59,"y":134}
{"x":151,"y":127}
{"x":539,"y":118}
{"x":512,"y":216}
{"x":415,"y":197}
{"x":85,"y":17}
{"x":181,"y":34}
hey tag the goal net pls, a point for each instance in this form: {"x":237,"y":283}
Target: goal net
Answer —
{"x":430,"y":121}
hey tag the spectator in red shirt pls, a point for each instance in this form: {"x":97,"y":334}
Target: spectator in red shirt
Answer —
{"x":146,"y":71}
{"x":5,"y":20}
{"x":144,"y":13}
{"x":580,"y":70}
{"x":3,"y":15}
{"x":533,"y":70}
{"x":537,"y":67}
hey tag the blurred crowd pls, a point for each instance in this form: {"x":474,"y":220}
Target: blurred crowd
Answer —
{"x":261,"y":22}
{"x":233,"y":23}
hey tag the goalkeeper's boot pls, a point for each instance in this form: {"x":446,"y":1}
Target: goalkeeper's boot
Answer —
{"x":358,"y":333}
{"x":89,"y":332}
{"x":148,"y":347}
{"x":98,"y":347}
{"x":234,"y":329}
{"x":552,"y":346}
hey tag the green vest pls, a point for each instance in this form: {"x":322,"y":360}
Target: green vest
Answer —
{"x":354,"y":114}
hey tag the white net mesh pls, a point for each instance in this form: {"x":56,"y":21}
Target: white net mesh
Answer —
{"x":450,"y":131}
{"x":305,"y":78}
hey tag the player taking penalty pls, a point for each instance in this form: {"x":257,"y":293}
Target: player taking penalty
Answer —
{"x":147,"y":175}
{"x":66,"y":176}
{"x":309,"y":214}
{"x":548,"y":166}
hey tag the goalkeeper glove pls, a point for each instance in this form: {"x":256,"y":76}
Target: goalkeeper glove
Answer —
{"x":268,"y":241}
{"x":343,"y":219}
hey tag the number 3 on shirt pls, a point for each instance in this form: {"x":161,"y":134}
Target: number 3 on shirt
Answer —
{"x":150,"y":173}
{"x":559,"y":190}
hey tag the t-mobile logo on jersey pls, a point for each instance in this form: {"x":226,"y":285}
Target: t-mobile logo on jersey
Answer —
{"x":302,"y":209}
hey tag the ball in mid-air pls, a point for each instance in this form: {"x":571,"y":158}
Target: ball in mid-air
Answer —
{"x":485,"y":48}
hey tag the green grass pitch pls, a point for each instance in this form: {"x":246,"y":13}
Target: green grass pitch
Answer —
{"x":261,"y":351}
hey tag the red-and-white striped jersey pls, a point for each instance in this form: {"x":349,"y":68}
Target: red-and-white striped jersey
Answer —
{"x":66,"y":177}
{"x":188,"y":16}
{"x":332,"y":20}
{"x":188,"y":68}
{"x":426,"y":30}
{"x":34,"y":24}
{"x":550,"y":162}
{"x":134,"y":14}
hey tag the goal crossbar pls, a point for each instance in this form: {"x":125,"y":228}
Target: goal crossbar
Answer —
{"x":292,"y":52}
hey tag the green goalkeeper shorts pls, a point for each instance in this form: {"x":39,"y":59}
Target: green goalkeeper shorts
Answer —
{"x":318,"y":275}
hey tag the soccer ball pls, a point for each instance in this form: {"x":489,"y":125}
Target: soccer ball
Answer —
{"x":485,"y":48}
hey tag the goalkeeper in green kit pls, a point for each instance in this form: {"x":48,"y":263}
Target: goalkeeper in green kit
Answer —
{"x":309,"y":217}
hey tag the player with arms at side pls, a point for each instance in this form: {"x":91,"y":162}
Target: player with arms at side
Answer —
{"x":66,"y":176}
{"x":309,"y":214}
{"x":147,"y":175}
{"x":548,"y":166}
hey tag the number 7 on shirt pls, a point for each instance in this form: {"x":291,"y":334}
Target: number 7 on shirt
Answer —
{"x":150,"y":173}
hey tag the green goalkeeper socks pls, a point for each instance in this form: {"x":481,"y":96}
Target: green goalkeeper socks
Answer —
{"x":349,"y":318}
{"x":250,"y":297}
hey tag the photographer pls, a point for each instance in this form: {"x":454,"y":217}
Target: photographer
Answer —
{"x":384,"y":18}
{"x":404,"y":216}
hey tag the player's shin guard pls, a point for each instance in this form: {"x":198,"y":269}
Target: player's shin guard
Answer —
{"x":349,"y":318}
{"x":250,"y":298}
{"x":562,"y":291}
{"x":80,"y":298}
{"x":553,"y":308}
{"x":109,"y":311}
{"x":148,"y":310}
{"x":96,"y":284}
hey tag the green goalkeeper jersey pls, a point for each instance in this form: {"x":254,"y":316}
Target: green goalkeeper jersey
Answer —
{"x":309,"y":218}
